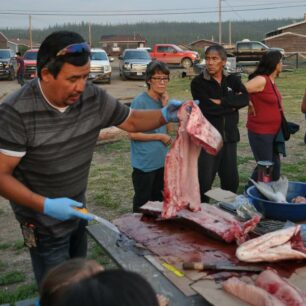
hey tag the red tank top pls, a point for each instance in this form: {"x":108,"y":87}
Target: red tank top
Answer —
{"x":267,"y":119}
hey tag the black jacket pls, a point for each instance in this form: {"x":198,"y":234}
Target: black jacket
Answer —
{"x":223,"y":117}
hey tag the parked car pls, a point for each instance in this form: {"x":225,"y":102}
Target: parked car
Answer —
{"x":250,"y":51}
{"x":30,"y":57}
{"x":133,"y":63}
{"x":100,"y":68}
{"x":8,"y":64}
{"x":149,"y":49}
{"x":174,"y":55}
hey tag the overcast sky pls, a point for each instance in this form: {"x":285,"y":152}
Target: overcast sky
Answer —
{"x":14,"y":13}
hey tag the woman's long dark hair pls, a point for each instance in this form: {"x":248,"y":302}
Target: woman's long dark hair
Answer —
{"x":267,"y":63}
{"x":110,"y":288}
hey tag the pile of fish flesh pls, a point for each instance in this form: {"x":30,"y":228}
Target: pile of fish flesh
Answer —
{"x":269,"y":289}
{"x":299,"y":200}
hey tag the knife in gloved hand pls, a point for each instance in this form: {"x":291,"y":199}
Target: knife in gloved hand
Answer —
{"x":101,"y":220}
{"x":200,"y":266}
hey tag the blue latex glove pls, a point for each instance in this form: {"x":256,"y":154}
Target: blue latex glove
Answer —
{"x":189,"y":108}
{"x":303,"y":233}
{"x":169,"y":112}
{"x":63,"y":209}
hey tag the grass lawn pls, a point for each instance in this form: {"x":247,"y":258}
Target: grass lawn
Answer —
{"x":110,"y":188}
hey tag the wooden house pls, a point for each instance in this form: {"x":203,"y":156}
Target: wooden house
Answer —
{"x":3,"y":41}
{"x":115,"y":44}
{"x":292,"y":38}
{"x":16,"y":44}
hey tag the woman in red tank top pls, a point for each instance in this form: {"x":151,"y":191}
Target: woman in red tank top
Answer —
{"x":264,"y":117}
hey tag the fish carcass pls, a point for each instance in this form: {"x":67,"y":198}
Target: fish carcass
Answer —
{"x":279,"y":245}
{"x":215,"y":221}
{"x":275,"y":191}
{"x":181,"y":184}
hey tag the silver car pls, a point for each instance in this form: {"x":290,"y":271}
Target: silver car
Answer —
{"x":133,"y":63}
{"x":8,"y":64}
{"x":100,"y":68}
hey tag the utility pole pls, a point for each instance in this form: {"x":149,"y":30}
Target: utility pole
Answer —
{"x":230,"y":32}
{"x":30,"y":32}
{"x":220,"y":23}
{"x":89,"y":34}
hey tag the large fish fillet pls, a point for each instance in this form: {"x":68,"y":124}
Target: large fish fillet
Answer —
{"x":181,"y":184}
{"x":279,"y":245}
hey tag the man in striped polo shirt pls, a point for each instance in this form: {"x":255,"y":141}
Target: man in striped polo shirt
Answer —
{"x":48,"y":132}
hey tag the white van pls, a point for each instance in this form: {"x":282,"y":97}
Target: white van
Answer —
{"x":100,"y":68}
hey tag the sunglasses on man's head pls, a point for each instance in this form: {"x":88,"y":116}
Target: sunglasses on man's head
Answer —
{"x":74,"y":48}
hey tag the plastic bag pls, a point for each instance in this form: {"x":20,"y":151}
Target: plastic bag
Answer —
{"x":245,"y":210}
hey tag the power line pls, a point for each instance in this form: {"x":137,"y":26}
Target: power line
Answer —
{"x":232,"y":8}
{"x":152,"y":10}
{"x":147,"y":12}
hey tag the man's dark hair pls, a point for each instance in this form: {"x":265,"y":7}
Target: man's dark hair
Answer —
{"x":52,"y":44}
{"x":219,"y":49}
{"x":267,"y":63}
{"x":154,"y":67}
{"x":18,"y":53}
{"x":111,"y":288}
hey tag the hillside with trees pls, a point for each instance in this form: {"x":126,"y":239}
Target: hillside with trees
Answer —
{"x":163,"y":32}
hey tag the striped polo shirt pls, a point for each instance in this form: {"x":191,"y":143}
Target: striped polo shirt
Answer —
{"x":57,"y":146}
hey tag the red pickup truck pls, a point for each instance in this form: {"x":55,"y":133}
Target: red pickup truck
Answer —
{"x":173,"y":54}
{"x":29,"y":58}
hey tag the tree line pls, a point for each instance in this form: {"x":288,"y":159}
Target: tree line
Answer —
{"x":162,"y":32}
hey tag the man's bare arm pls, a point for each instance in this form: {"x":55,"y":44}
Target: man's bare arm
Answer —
{"x":255,"y":85}
{"x":303,"y":106}
{"x":12,"y":189}
{"x":143,"y":120}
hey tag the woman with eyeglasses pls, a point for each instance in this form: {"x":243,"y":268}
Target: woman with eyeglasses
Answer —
{"x":303,"y":109}
{"x":149,"y":149}
{"x":264,"y":117}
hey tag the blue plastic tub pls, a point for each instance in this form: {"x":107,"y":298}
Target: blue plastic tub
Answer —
{"x":280,"y":211}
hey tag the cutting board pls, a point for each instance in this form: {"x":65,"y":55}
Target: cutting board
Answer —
{"x":221,"y":195}
{"x":298,"y":278}
{"x":215,"y":295}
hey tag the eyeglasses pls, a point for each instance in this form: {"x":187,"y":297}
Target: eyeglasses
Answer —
{"x":157,"y":79}
{"x":74,"y":48}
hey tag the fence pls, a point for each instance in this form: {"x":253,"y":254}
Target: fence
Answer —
{"x":294,"y":60}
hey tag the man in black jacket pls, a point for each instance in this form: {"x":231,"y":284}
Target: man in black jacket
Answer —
{"x":220,"y":96}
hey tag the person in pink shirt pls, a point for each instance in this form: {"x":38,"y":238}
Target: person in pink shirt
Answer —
{"x":303,"y":109}
{"x":264,"y":118}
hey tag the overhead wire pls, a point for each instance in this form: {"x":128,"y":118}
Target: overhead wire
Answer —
{"x":178,"y":11}
{"x":231,"y":7}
